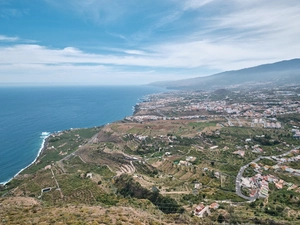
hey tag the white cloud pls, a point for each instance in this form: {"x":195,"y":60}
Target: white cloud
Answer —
{"x":118,"y":36}
{"x":195,"y":4}
{"x":261,"y":16}
{"x":243,"y":33}
{"x":9,"y":39}
{"x":181,"y":55}
{"x":98,"y":11}
{"x":135,"y":52}
{"x":76,"y":74}
{"x":246,"y":33}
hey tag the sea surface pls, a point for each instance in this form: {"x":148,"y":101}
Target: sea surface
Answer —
{"x":28,"y":115}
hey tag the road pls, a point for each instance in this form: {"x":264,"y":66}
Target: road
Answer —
{"x":238,"y":183}
{"x":73,"y":153}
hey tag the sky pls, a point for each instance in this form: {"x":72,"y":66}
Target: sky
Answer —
{"x":124,"y":42}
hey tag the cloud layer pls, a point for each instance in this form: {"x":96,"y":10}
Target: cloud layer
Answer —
{"x":186,"y":39}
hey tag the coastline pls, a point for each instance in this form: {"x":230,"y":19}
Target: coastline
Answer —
{"x":41,"y":150}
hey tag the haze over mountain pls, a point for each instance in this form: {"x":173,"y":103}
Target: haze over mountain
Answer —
{"x":278,"y":73}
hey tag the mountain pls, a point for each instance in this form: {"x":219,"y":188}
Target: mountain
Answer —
{"x":279,"y":73}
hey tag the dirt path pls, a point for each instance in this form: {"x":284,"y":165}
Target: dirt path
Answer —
{"x":58,"y":188}
{"x":174,"y":192}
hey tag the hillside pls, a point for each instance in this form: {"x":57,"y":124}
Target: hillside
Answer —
{"x":279,"y":73}
{"x":186,"y":157}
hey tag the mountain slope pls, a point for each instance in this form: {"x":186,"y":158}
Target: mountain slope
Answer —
{"x":279,"y":73}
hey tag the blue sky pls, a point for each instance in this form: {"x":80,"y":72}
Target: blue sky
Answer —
{"x":107,"y":42}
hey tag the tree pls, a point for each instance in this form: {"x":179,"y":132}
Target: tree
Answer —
{"x":221,"y":218}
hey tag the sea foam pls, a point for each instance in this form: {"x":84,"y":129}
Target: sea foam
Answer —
{"x":44,"y":136}
{"x":29,"y":114}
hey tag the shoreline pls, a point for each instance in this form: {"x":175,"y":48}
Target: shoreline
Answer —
{"x":41,"y":150}
{"x":135,"y":109}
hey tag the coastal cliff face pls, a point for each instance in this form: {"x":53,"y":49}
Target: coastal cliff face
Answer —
{"x":183,"y":157}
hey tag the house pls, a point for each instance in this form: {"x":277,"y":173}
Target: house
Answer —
{"x":266,"y":167}
{"x":246,"y":182}
{"x":154,"y":189}
{"x":190,"y":159}
{"x":257,"y":150}
{"x":44,"y":190}
{"x":278,"y":185}
{"x":253,"y":192}
{"x":289,"y":170}
{"x":214,"y":205}
{"x":275,"y":167}
{"x":239,"y":152}
{"x":201,"y":211}
{"x":48,"y":167}
{"x":184,"y":163}
{"x":297,"y":135}
{"x":217,"y":175}
{"x":292,"y":187}
{"x":89,"y":175}
{"x":254,"y":165}
{"x":264,"y":189}
{"x":197,"y":185}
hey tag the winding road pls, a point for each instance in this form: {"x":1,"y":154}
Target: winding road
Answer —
{"x":242,"y":169}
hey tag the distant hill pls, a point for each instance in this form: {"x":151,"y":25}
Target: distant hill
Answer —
{"x":279,"y":73}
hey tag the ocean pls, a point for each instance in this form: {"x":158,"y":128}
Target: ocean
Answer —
{"x":28,"y":115}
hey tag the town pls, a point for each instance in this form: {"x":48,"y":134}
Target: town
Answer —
{"x":227,"y":156}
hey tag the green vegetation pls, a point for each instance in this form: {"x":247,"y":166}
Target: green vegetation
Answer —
{"x":145,"y":169}
{"x":60,"y":145}
{"x":267,"y":162}
{"x":201,"y":125}
{"x":75,"y":164}
{"x":285,"y":198}
{"x":294,"y":165}
{"x":192,"y":198}
{"x":121,"y":169}
{"x":127,"y":187}
{"x":224,"y":195}
{"x":294,"y":117}
{"x":249,"y":172}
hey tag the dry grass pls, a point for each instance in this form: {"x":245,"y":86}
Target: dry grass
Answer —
{"x":29,"y":211}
